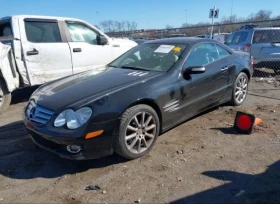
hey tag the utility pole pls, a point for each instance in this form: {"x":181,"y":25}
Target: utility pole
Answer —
{"x":186,"y":17}
{"x":231,"y":8}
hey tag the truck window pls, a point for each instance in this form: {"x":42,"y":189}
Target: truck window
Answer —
{"x":82,"y":33}
{"x":42,"y":32}
{"x":230,"y":39}
{"x":267,"y":36}
{"x":243,"y":37}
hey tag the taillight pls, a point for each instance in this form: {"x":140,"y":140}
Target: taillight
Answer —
{"x":246,"y":48}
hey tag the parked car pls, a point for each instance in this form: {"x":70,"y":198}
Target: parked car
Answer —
{"x":221,"y":37}
{"x":203,"y":36}
{"x":140,"y":41}
{"x":262,"y":43}
{"x":124,"y":106}
{"x":38,"y":49}
{"x":176,"y":35}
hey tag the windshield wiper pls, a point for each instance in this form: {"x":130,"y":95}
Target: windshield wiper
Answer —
{"x":112,"y":66}
{"x":135,"y":68}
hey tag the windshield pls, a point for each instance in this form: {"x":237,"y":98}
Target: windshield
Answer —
{"x":229,"y":39}
{"x":151,"y":57}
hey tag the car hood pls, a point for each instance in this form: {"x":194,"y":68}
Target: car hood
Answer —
{"x":123,"y":42}
{"x":70,"y":91}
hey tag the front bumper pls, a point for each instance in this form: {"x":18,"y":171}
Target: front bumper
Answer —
{"x":97,"y":147}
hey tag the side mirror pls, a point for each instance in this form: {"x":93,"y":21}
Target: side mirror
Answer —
{"x":102,"y":40}
{"x":193,"y":70}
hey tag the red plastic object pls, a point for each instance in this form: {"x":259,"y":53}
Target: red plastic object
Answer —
{"x":244,"y":122}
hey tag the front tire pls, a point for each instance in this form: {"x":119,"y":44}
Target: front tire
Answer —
{"x":5,"y":97}
{"x":240,"y":89}
{"x":137,"y":132}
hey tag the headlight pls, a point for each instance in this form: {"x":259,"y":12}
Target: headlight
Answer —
{"x":73,"y":119}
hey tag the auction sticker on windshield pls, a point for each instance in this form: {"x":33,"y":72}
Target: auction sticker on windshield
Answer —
{"x":164,"y":48}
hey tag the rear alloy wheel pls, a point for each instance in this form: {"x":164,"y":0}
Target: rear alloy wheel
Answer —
{"x":5,"y":97}
{"x":138,"y":131}
{"x":240,"y":89}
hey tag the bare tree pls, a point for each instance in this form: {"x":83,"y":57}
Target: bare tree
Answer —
{"x":260,"y":16}
{"x":168,"y":26}
{"x":116,"y":26}
{"x":134,"y":25}
{"x":128,"y":26}
{"x":97,"y":27}
{"x":123,"y":23}
{"x":104,"y":25}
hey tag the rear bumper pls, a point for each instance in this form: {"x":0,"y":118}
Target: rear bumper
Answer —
{"x":97,"y":147}
{"x":268,"y":64}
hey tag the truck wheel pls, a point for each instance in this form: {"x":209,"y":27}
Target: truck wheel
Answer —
{"x":5,"y":97}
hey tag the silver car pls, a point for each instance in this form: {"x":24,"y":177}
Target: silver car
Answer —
{"x":262,"y":43}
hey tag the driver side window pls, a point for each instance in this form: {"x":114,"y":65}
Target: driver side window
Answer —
{"x":82,"y":33}
{"x":202,"y":54}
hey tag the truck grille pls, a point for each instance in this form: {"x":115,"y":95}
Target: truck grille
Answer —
{"x":38,"y":114}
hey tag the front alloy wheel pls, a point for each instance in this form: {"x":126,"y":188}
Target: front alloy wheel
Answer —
{"x":138,"y":132}
{"x":240,"y":89}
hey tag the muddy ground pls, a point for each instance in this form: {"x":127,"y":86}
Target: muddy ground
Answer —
{"x":203,"y":160}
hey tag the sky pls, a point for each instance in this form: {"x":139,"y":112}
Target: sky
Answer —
{"x":147,"y":13}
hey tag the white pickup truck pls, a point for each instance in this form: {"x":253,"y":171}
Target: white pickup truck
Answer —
{"x":38,"y":49}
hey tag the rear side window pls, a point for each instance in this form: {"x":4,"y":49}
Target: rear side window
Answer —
{"x":237,"y":38}
{"x":266,"y":36}
{"x":42,"y":32}
{"x":243,"y":37}
{"x":229,"y":39}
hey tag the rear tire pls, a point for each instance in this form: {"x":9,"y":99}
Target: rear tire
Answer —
{"x":240,"y":89}
{"x":137,"y":132}
{"x":5,"y":97}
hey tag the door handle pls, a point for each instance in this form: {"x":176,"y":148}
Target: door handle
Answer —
{"x":224,"y":68}
{"x":32,"y":52}
{"x":77,"y":49}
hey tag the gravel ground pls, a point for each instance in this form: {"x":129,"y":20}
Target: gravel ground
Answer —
{"x":203,"y":160}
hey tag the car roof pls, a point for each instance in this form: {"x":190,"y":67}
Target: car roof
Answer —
{"x":182,"y":40}
{"x":264,"y":28}
{"x":39,"y":17}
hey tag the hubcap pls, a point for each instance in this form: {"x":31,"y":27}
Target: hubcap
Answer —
{"x":140,"y":132}
{"x":241,"y":89}
{"x":1,"y":97}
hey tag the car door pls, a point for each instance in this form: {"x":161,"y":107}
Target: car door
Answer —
{"x":45,"y":50}
{"x":204,"y":90}
{"x":86,"y":52}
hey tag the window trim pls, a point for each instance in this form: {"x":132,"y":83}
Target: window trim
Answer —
{"x":62,"y":37}
{"x":68,"y":34}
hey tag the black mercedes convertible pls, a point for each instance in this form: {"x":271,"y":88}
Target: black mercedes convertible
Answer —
{"x":123,"y":106}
